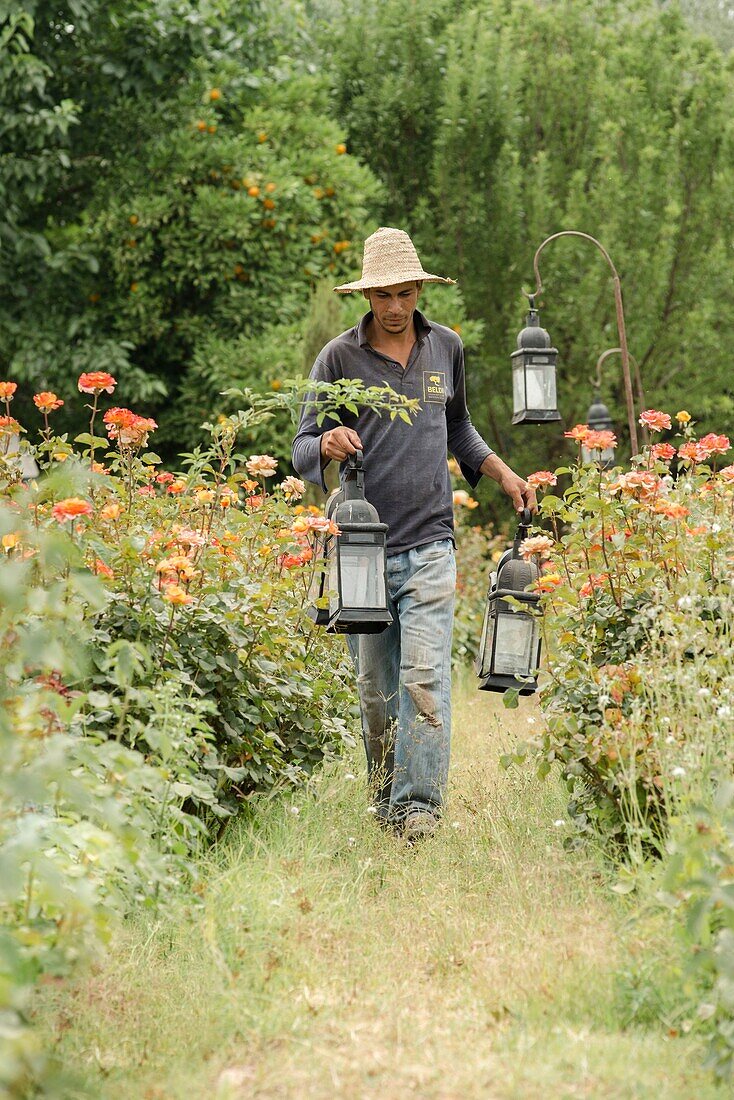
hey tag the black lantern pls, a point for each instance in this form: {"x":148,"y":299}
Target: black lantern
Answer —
{"x":534,"y":373}
{"x":509,"y":650}
{"x":599,"y":420}
{"x":355,"y":601}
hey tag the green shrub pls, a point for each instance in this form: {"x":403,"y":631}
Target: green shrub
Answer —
{"x":640,"y":570}
{"x":157,"y":667}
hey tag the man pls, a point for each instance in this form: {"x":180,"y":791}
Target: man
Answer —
{"x":404,"y":674}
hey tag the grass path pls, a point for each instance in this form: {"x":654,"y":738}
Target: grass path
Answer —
{"x":328,"y":960}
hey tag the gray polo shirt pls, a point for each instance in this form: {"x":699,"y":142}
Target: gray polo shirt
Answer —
{"x":406,"y":473}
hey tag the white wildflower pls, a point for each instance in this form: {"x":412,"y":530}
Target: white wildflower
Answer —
{"x":677,"y":773}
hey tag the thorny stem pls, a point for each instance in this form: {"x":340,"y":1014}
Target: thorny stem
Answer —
{"x":168,"y":635}
{"x":615,"y":597}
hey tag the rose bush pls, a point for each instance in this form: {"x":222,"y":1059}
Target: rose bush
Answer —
{"x":157,"y":667}
{"x":637,"y":598}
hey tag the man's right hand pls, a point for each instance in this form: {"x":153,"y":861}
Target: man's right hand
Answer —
{"x":339,"y":443}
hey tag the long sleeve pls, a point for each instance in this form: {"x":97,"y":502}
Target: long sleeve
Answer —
{"x":464,"y":441}
{"x":306,"y":449}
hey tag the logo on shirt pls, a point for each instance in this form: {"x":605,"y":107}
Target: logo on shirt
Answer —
{"x":434,"y":386}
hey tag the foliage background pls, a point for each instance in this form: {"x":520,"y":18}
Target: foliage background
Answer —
{"x":181,"y":185}
{"x":161,"y":266}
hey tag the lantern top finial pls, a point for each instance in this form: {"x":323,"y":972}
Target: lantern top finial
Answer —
{"x":533,"y":336}
{"x":598,"y":416}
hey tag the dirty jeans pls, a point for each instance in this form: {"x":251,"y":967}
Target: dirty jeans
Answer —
{"x":404,"y":682}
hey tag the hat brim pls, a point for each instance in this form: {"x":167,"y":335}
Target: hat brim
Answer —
{"x":400,"y":277}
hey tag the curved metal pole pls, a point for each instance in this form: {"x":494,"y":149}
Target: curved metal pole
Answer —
{"x":635,"y":364}
{"x":631,"y":417}
{"x":638,"y":381}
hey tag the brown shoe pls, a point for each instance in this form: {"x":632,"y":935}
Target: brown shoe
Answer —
{"x":419,"y":824}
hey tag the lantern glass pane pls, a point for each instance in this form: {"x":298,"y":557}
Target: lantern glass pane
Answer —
{"x":540,"y":382}
{"x":518,"y":388}
{"x":604,"y":458}
{"x":485,"y":644}
{"x":362,"y":576}
{"x":516,"y":649}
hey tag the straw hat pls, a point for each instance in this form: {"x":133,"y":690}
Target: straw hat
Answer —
{"x":389,"y":257}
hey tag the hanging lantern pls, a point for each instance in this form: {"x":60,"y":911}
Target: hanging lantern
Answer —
{"x":355,"y":562}
{"x":534,"y":373}
{"x":509,"y":650}
{"x":599,"y":420}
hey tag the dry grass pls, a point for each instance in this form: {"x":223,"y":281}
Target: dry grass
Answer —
{"x":328,"y":960}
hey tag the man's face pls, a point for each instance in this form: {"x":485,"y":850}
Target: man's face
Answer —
{"x":393,"y":306}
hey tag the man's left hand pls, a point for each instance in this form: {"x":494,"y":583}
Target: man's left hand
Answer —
{"x":521,"y":494}
{"x":516,"y":487}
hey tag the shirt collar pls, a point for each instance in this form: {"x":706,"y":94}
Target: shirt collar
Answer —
{"x":422,"y":326}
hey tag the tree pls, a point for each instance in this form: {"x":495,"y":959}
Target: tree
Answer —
{"x":239,"y":197}
{"x":613,"y":118}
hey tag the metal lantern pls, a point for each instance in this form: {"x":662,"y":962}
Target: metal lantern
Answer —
{"x":509,"y":650}
{"x":534,"y":373}
{"x":28,"y":466}
{"x":355,"y":601}
{"x":599,"y":420}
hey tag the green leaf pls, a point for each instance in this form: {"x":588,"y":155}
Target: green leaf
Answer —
{"x":88,"y":440}
{"x":510,"y":698}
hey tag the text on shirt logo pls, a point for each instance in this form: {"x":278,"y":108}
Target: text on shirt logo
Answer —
{"x":434,"y":386}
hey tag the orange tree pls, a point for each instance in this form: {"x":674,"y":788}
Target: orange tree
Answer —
{"x":181,"y":190}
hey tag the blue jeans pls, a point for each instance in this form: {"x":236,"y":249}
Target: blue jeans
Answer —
{"x":404,"y":683}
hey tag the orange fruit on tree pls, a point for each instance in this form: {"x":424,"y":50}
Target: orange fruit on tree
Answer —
{"x":132,"y":243}
{"x":269,"y":204}
{"x":276,"y":384}
{"x":211,"y":129}
{"x":253,"y":191}
{"x":215,"y":94}
{"x":133,"y":219}
{"x":329,"y":192}
{"x":341,"y":148}
{"x":133,"y":287}
{"x":270,"y":187}
{"x":269,"y":223}
{"x":262,"y":136}
{"x":201,"y":125}
{"x":319,"y":192}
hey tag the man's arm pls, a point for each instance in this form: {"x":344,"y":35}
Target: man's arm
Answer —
{"x":464,"y":441}
{"x":475,"y":456}
{"x":306,"y":452}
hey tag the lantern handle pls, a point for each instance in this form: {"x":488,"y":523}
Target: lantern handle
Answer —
{"x":355,"y":473}
{"x":526,"y":519}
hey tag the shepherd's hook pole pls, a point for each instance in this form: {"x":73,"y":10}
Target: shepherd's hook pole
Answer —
{"x":631,"y":416}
